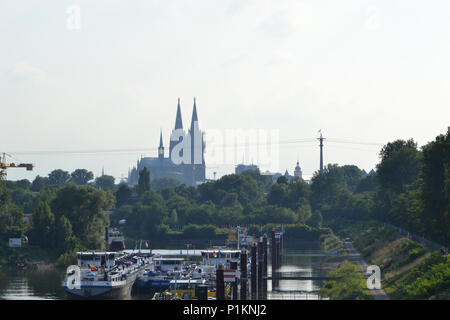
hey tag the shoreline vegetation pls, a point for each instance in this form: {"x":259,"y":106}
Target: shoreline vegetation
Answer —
{"x":409,"y":269}
{"x":68,"y":212}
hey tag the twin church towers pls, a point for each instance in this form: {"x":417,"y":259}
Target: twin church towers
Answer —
{"x":185,"y":160}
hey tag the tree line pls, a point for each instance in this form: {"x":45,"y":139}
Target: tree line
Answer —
{"x":410,"y":188}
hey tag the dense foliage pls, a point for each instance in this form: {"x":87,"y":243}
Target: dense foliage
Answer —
{"x":410,"y":189}
{"x":349,"y":285}
{"x":409,"y":269}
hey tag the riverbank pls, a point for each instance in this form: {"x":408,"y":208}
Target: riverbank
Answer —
{"x":27,"y":257}
{"x":409,"y":269}
{"x":344,"y":264}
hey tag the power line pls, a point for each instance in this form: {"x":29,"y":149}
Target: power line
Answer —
{"x":139,"y":150}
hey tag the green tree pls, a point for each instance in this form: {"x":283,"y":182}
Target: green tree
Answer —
{"x":43,"y":221}
{"x":292,"y":195}
{"x":38,"y":184}
{"x":315,"y":220}
{"x":369,"y":183}
{"x":326,"y":186}
{"x":282,"y":180}
{"x":264,"y":179}
{"x":58,"y":177}
{"x":247,"y":189}
{"x":173,"y":218}
{"x":24,"y":184}
{"x":65,"y":241}
{"x":105,"y":182}
{"x":24,"y":199}
{"x":166,"y":182}
{"x":84,"y":207}
{"x":400,"y":165}
{"x":435,"y":192}
{"x":182,"y":206}
{"x":11,"y":217}
{"x":123,"y":194}
{"x":350,"y":284}
{"x":201,"y":214}
{"x":143,"y":182}
{"x":82,"y":176}
{"x":351,"y":176}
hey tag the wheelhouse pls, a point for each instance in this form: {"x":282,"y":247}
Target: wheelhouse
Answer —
{"x":97,"y":259}
{"x":168,"y":264}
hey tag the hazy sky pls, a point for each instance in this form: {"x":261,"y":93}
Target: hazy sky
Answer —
{"x":369,"y":71}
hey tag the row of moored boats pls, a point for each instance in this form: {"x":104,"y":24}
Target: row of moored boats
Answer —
{"x":116,"y":274}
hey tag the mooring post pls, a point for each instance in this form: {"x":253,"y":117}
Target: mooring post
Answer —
{"x":235,"y":289}
{"x":279,"y":249}
{"x":220,"y":285}
{"x":264,"y":283}
{"x":253,"y":272}
{"x":274,"y":260}
{"x":260,"y":268}
{"x":243,"y":274}
{"x":234,"y":266}
{"x":202,"y":292}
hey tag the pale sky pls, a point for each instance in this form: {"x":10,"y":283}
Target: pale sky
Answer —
{"x":368,"y":71}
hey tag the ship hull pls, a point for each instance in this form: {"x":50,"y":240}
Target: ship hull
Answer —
{"x":117,"y":291}
{"x":151,"y":286}
{"x":101,"y":292}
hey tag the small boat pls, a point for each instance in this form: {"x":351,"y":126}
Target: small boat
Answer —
{"x":114,"y":239}
{"x":105,"y":275}
{"x":182,"y":290}
{"x":157,"y":278}
{"x":212,"y":258}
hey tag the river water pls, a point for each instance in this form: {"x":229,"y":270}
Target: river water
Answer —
{"x":46,"y":285}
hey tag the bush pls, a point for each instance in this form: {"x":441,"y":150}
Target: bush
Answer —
{"x":304,"y":232}
{"x":350,"y":284}
{"x":430,"y":278}
{"x":66,"y":259}
{"x":193,"y":231}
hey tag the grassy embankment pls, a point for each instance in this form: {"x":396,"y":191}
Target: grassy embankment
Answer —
{"x":409,"y":269}
{"x":350,"y":283}
{"x":44,"y":259}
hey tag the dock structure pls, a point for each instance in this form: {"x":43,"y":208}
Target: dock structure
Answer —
{"x":253,"y":281}
{"x":234,"y":284}
{"x":264,"y":282}
{"x":220,"y":283}
{"x":276,"y":257}
{"x":260,"y":269}
{"x":243,"y":291}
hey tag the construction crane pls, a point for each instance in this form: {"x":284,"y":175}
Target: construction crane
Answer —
{"x":4,"y":166}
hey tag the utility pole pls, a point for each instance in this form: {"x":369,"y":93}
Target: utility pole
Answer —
{"x":321,"y":151}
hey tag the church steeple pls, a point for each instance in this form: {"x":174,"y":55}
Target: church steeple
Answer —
{"x":197,"y":143}
{"x":298,"y":171}
{"x":178,"y":121}
{"x":194,"y":115}
{"x":161,"y":147}
{"x":178,"y":126}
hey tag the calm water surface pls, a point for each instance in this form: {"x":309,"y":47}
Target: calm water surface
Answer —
{"x":20,"y":285}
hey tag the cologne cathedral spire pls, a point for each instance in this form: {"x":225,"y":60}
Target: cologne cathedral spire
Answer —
{"x":178,"y":121}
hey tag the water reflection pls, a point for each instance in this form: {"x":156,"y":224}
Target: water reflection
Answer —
{"x":20,"y":285}
{"x":46,"y":285}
